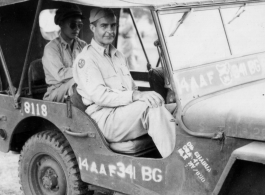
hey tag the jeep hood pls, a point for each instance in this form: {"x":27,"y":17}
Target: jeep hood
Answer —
{"x":239,"y":112}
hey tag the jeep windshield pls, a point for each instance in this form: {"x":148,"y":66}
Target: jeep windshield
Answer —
{"x":209,"y":53}
{"x":207,"y":36}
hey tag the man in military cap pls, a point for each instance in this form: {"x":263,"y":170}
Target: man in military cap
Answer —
{"x":107,"y":88}
{"x":60,"y":53}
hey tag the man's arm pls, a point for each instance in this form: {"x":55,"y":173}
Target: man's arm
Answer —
{"x":151,"y":98}
{"x":90,"y":80}
{"x":52,"y":61}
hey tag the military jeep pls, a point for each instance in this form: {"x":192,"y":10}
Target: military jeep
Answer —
{"x":212,"y":54}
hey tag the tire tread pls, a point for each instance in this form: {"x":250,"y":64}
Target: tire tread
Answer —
{"x":57,"y":141}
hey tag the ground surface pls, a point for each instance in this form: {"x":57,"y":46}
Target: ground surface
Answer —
{"x":9,"y":184}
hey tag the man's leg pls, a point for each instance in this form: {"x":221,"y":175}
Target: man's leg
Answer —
{"x":157,"y":81}
{"x":58,"y":94}
{"x":136,"y":119}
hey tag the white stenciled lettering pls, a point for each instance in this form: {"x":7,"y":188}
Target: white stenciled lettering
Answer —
{"x":258,"y":66}
{"x":44,"y":110}
{"x":193,"y":84}
{"x":38,"y":110}
{"x":35,"y":109}
{"x":149,"y":174}
{"x":251,"y":67}
{"x":199,"y":175}
{"x":210,"y":76}
{"x":203,"y":82}
{"x":146,"y":173}
{"x":187,"y":150}
{"x":203,"y":162}
{"x":102,"y":169}
{"x":196,"y":161}
{"x":93,"y":167}
{"x":121,"y":169}
{"x":232,"y":72}
{"x":243,"y":69}
{"x":27,"y":107}
{"x":112,"y":170}
{"x":129,"y":171}
{"x":235,"y":71}
{"x":182,"y":154}
{"x":193,"y":160}
{"x":157,"y":177}
{"x":184,"y":85}
{"x":224,"y":73}
{"x":190,"y":146}
{"x":196,"y":82}
{"x":83,"y":164}
{"x":32,"y":109}
{"x":254,"y":66}
{"x":191,"y":165}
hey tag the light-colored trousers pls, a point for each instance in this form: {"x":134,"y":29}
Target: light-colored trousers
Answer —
{"x":56,"y":93}
{"x":131,"y":121}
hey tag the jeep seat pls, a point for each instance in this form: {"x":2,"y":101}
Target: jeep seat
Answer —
{"x":36,"y":79}
{"x":137,"y":147}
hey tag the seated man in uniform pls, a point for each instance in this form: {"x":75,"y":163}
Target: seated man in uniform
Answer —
{"x":107,"y":88}
{"x":60,"y":53}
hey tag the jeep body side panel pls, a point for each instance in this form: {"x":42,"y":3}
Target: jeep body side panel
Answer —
{"x":238,"y":112}
{"x":56,"y":113}
{"x":99,"y":166}
{"x":194,"y":167}
{"x":228,"y":102}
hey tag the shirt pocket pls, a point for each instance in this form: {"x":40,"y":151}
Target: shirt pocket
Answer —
{"x":108,"y":73}
{"x":125,"y":71}
{"x":111,"y":79}
{"x":67,"y":61}
{"x":126,"y":75}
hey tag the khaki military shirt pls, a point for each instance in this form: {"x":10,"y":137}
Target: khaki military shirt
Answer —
{"x":58,"y":60}
{"x":103,"y":80}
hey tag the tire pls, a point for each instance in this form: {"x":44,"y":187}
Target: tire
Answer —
{"x":48,"y":166}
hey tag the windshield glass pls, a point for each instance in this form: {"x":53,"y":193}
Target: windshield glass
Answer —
{"x":247,"y":32}
{"x":199,"y":39}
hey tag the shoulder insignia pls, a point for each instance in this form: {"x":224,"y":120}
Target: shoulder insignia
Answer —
{"x":81,"y":63}
{"x":87,"y":47}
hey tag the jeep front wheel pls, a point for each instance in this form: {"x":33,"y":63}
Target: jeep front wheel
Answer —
{"x":47,"y":166}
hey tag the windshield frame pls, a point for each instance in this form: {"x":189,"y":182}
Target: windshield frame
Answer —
{"x":204,"y":8}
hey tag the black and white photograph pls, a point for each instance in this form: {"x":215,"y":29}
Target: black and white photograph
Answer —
{"x":132,"y":97}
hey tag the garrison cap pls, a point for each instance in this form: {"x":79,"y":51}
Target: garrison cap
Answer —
{"x":67,"y":12}
{"x":98,"y":13}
